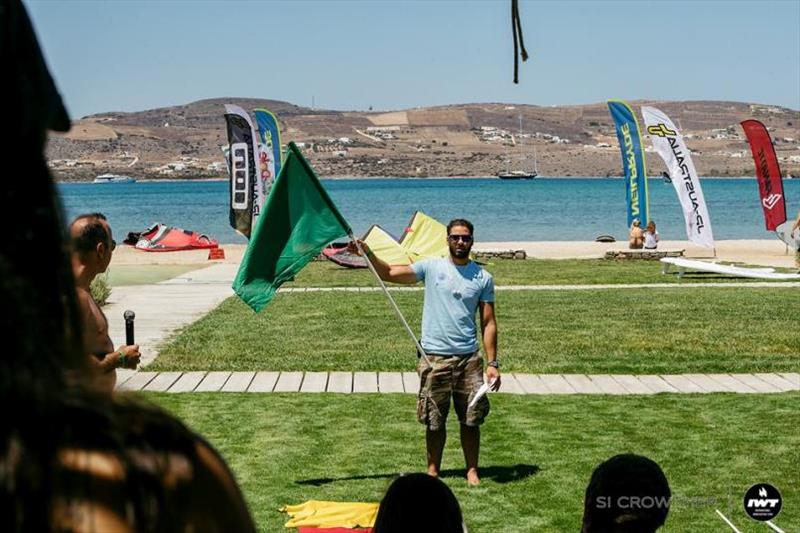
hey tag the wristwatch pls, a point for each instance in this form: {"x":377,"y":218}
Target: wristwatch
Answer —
{"x":495,"y":363}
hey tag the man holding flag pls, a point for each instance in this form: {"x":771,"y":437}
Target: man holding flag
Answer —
{"x":299,"y":219}
{"x":455,"y":289}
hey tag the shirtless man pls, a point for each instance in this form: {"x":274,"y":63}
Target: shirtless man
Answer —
{"x":92,"y":247}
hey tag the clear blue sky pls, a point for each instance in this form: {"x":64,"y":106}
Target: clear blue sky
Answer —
{"x":133,"y":55}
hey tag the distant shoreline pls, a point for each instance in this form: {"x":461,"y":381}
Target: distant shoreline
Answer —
{"x":766,"y":252}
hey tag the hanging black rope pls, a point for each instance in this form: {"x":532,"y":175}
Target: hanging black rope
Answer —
{"x":519,"y":44}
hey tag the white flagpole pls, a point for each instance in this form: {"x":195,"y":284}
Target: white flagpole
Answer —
{"x":391,"y":301}
{"x":774,"y":527}
{"x":727,"y":521}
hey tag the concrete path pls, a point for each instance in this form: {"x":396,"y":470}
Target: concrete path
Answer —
{"x":164,"y":308}
{"x":407,"y":382}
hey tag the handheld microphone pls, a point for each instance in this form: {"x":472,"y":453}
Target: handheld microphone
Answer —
{"x":129,"y":316}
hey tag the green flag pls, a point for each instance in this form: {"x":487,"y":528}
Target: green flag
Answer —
{"x":298,"y":220}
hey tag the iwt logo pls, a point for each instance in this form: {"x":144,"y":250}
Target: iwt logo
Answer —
{"x":762,"y":502}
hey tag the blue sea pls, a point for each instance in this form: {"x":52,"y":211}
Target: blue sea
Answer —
{"x":544,"y":209}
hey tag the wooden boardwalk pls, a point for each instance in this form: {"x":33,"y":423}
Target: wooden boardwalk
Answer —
{"x":408,"y":383}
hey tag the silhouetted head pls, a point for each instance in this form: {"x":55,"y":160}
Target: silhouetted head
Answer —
{"x":41,"y":326}
{"x":419,"y":502}
{"x":626,"y":494}
{"x":44,"y":368}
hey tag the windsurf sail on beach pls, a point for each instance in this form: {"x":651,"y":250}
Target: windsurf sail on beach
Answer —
{"x":242,"y":152}
{"x":339,"y":253}
{"x":669,"y":144}
{"x":386,"y":247}
{"x":424,"y":237}
{"x":630,"y":143}
{"x":162,"y":238}
{"x":269,"y":151}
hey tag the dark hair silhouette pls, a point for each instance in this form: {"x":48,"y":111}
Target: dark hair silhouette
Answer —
{"x":40,"y":325}
{"x":626,"y":494}
{"x":421,"y":503}
{"x":66,"y":451}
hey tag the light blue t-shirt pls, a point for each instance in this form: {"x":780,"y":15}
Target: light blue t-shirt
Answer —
{"x":452,"y":294}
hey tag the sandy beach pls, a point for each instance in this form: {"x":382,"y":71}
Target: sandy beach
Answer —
{"x":766,"y":252}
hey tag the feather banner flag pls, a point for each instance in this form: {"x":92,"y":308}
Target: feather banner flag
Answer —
{"x":630,"y":143}
{"x":669,"y":144}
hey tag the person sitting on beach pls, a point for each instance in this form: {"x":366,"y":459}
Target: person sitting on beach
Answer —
{"x":72,"y":458}
{"x":626,"y":494}
{"x":92,"y":247}
{"x":636,"y":235}
{"x":419,"y":502}
{"x":651,"y":236}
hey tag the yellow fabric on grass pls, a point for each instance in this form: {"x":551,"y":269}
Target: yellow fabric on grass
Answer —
{"x":316,"y":513}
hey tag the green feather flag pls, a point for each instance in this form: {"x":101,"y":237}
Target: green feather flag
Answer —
{"x":298,"y":221}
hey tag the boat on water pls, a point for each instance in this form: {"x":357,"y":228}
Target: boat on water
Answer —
{"x":517,"y":175}
{"x":113,"y":178}
{"x":520,"y":174}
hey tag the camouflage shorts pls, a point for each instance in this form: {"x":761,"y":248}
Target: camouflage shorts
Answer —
{"x":458,"y":377}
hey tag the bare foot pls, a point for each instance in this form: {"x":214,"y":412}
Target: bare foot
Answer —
{"x":433,"y":471}
{"x":472,"y":477}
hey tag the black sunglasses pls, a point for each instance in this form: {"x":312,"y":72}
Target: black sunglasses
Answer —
{"x":462,"y":238}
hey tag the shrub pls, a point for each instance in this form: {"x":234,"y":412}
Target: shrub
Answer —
{"x":100,"y":289}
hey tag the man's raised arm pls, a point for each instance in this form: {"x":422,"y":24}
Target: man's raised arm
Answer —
{"x":394,"y":273}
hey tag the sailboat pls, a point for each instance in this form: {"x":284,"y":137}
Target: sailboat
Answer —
{"x":520,"y":174}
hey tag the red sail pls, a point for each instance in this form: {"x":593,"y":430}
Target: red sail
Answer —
{"x":768,"y":172}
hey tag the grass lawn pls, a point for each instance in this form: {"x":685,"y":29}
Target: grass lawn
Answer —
{"x":735,"y":329}
{"x":122,"y":275}
{"x":529,"y":272}
{"x":537,"y":453}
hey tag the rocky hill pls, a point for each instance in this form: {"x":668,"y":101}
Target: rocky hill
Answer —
{"x":456,"y":140}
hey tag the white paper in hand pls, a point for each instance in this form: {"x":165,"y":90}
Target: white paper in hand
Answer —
{"x":483,"y":390}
